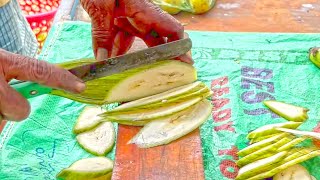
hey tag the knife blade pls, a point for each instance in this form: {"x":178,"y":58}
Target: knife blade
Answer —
{"x":132,"y":60}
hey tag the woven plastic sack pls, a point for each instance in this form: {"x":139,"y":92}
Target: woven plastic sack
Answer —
{"x":241,"y":68}
{"x":192,"y":6}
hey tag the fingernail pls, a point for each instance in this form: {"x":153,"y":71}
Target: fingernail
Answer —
{"x":80,"y":87}
{"x":102,"y":54}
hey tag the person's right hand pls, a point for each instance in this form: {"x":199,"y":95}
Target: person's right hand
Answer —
{"x":115,"y":23}
{"x":13,"y":106}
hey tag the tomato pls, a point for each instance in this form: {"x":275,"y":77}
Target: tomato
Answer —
{"x":36,"y":8}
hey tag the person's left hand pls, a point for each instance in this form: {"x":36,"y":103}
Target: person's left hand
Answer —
{"x":13,"y":106}
{"x":115,"y":23}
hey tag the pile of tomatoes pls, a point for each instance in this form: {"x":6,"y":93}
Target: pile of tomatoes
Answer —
{"x":32,"y":7}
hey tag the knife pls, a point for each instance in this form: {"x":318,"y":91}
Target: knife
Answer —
{"x":111,"y":66}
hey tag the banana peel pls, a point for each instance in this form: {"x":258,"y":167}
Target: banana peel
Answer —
{"x":260,"y":166}
{"x":255,"y":147}
{"x":272,"y":129}
{"x":261,"y":153}
{"x":285,"y":164}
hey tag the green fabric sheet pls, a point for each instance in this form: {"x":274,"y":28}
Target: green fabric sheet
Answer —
{"x":243,"y":69}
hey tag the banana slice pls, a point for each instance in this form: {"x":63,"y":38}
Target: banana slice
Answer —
{"x":175,"y":92}
{"x":98,"y":141}
{"x":167,"y":129}
{"x":87,"y":168}
{"x":145,"y":114}
{"x":88,"y":119}
{"x":288,"y":111}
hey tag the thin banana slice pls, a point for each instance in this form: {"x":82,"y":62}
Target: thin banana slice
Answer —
{"x":88,"y":119}
{"x":167,"y":129}
{"x":87,"y":168}
{"x":145,"y":114}
{"x":288,"y":111}
{"x":175,"y":92}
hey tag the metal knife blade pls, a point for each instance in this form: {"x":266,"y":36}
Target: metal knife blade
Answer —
{"x":132,"y":60}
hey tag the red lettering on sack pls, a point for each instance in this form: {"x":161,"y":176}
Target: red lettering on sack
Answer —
{"x":230,"y":152}
{"x":229,"y":169}
{"x":219,"y":82}
{"x":222,"y":115}
{"x":220,"y":91}
{"x":219,"y":103}
{"x":225,"y":127}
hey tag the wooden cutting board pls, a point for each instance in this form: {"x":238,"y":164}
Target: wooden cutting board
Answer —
{"x":181,"y":159}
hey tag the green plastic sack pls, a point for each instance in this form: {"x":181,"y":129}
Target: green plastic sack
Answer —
{"x":192,"y":6}
{"x":241,"y":68}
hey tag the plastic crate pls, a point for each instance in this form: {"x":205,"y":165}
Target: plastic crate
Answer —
{"x":40,"y":15}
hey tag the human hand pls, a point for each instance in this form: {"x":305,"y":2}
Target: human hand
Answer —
{"x":13,"y":106}
{"x":115,"y":23}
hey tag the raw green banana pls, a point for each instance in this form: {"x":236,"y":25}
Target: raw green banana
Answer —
{"x":133,"y":84}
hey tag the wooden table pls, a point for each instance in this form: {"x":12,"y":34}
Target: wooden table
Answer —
{"x":182,"y":159}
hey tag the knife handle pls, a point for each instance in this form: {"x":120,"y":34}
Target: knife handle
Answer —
{"x":30,"y":89}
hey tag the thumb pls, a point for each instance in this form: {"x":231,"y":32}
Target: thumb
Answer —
{"x":12,"y":105}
